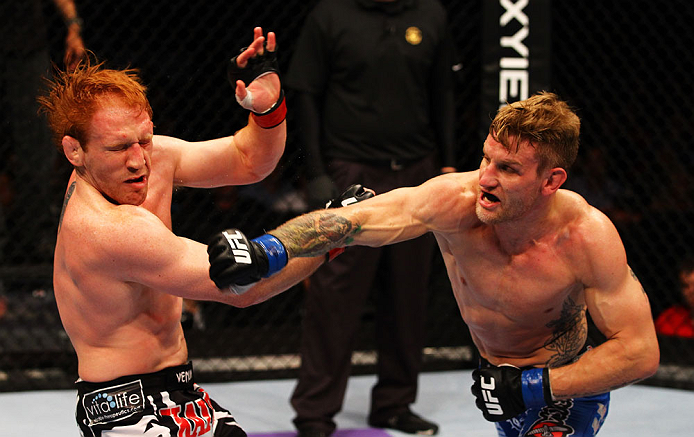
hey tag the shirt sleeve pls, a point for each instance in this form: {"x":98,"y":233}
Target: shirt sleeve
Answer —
{"x":443,"y":101}
{"x":308,"y":69}
{"x":309,"y":121}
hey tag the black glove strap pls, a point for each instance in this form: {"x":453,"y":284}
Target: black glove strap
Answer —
{"x":257,"y":65}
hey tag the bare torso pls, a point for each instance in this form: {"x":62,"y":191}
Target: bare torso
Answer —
{"x":525,"y":308}
{"x":117,"y":327}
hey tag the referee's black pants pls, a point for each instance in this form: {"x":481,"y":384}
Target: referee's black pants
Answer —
{"x":335,"y":300}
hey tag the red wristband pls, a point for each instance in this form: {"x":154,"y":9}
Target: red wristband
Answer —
{"x":274,"y":117}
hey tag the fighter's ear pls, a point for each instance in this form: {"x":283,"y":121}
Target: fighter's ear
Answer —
{"x":73,"y":151}
{"x":554,"y":180}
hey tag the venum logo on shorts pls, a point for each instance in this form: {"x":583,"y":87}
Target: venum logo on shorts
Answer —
{"x":184,"y":376}
{"x":114,"y":403}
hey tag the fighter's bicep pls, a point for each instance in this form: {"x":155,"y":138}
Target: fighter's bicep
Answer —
{"x":151,"y":255}
{"x":611,"y":286}
{"x":619,"y":306}
{"x":208,"y":164}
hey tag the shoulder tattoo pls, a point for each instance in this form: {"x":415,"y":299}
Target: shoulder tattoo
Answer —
{"x":70,"y":190}
{"x":316,"y":233}
{"x":633,"y":275}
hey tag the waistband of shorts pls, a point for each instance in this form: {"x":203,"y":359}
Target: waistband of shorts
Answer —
{"x":170,"y":378}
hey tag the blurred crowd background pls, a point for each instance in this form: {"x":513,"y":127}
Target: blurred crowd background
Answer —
{"x":626,"y":66}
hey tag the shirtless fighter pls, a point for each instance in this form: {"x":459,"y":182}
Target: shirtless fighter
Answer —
{"x":526,"y":261}
{"x":119,"y":272}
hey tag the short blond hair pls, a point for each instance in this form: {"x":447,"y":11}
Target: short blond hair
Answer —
{"x":547,"y":122}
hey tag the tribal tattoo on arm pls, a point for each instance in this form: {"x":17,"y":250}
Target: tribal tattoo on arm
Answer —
{"x":316,"y":233}
{"x":633,"y":275}
{"x":70,"y":190}
{"x":569,"y":333}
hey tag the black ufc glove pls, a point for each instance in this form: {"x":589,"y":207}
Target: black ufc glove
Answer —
{"x":506,"y":391}
{"x":237,"y":264}
{"x":353,"y":194}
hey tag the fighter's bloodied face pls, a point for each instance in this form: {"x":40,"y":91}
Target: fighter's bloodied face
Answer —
{"x":509,"y":184}
{"x":117,"y":156}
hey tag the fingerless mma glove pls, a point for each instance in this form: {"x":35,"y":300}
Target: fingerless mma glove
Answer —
{"x":257,"y":66}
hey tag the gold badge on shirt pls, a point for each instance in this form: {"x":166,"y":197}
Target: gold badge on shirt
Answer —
{"x":413,"y":35}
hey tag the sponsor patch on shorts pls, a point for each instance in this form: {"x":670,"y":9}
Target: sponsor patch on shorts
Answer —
{"x":114,"y":403}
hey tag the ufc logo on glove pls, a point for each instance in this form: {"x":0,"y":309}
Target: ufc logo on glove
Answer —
{"x":239,"y":249}
{"x":492,"y":403}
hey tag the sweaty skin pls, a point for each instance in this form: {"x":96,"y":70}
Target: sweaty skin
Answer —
{"x":525,"y":259}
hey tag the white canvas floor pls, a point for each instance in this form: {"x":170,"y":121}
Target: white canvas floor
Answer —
{"x":444,"y":397}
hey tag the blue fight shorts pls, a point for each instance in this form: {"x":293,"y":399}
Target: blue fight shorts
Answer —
{"x":574,"y":417}
{"x":166,"y":403}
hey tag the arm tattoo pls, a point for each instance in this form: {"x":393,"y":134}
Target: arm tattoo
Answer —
{"x":633,"y":275}
{"x":315,"y":233}
{"x":70,"y":190}
{"x":569,"y":333}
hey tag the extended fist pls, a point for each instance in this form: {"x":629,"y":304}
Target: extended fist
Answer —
{"x":506,"y":391}
{"x":237,"y":263}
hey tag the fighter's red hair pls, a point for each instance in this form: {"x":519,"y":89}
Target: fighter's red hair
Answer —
{"x":73,"y":97}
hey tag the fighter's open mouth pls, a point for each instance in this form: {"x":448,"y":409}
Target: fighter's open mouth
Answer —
{"x":136,"y":180}
{"x":489,"y":197}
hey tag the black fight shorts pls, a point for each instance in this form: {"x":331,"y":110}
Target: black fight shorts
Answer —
{"x":166,"y":403}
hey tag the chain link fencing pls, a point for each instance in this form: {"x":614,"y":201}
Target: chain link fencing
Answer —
{"x":626,"y":67}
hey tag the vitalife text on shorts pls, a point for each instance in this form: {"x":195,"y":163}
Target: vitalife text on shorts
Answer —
{"x":114,"y":403}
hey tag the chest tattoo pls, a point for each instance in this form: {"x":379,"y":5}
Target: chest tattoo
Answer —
{"x":568,"y":333}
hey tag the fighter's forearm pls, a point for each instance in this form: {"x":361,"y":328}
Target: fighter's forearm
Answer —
{"x":295,"y":272}
{"x":315,"y":233}
{"x":610,"y":366}
{"x":261,"y":149}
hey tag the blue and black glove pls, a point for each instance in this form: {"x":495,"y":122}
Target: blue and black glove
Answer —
{"x":506,"y":391}
{"x":237,"y":263}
